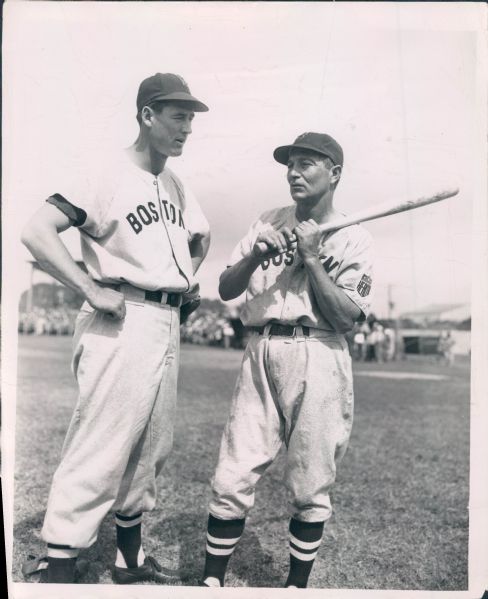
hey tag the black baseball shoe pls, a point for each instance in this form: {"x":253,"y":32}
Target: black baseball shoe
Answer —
{"x":35,"y":569}
{"x":150,"y":571}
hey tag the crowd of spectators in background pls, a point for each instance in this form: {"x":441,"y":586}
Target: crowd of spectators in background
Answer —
{"x":206,"y":326}
{"x":48,"y":321}
{"x":214,"y":324}
{"x":375,"y":341}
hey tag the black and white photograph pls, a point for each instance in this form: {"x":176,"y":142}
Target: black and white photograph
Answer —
{"x":244,"y":299}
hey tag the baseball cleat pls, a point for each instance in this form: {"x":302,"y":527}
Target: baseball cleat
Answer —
{"x":35,"y":569}
{"x":150,"y":571}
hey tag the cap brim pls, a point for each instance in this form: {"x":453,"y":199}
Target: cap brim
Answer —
{"x":193,"y":103}
{"x":282,"y":153}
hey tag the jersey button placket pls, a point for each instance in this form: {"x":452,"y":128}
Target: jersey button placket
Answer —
{"x":289,"y":282}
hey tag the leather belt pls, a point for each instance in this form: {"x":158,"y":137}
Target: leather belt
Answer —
{"x":158,"y":296}
{"x":172,"y":299}
{"x":282,"y":330}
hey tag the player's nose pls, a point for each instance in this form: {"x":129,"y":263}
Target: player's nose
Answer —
{"x":292,"y":174}
{"x":186,"y":129}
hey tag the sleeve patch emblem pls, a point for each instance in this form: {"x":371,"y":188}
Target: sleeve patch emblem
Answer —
{"x":364,"y":286}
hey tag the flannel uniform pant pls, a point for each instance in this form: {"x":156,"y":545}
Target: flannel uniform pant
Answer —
{"x":293,"y":390}
{"x":121,"y":431}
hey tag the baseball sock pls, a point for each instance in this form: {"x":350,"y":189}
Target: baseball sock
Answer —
{"x":222,"y":537}
{"x":129,"y":545}
{"x":305,"y":539}
{"x":61,"y":562}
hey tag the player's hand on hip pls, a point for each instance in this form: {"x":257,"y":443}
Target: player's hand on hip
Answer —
{"x":270,"y":243}
{"x":308,"y":236}
{"x":109,"y":301}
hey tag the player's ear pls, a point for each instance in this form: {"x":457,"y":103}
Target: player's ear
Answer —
{"x":147,"y":114}
{"x":335,"y":174}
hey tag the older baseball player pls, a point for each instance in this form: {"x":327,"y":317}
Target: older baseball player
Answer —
{"x":143,"y":237}
{"x":305,"y":289}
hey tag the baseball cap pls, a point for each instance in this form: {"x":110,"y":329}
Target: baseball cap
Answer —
{"x":318,"y":142}
{"x":167,"y":86}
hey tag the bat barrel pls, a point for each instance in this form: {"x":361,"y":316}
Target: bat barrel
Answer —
{"x":386,"y":209}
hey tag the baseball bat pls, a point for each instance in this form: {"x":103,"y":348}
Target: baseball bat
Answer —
{"x":381,"y":210}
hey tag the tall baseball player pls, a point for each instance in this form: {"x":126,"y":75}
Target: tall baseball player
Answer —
{"x":305,"y":289}
{"x":143,"y":237}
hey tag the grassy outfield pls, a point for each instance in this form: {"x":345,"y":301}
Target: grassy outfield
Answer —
{"x":401,"y":497}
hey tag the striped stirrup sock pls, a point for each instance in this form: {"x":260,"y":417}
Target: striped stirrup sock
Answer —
{"x":129,"y":547}
{"x":305,"y":539}
{"x":222,"y":537}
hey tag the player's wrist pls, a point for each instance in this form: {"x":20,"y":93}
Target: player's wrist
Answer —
{"x":90,"y":290}
{"x":310,"y":259}
{"x":253,"y":260}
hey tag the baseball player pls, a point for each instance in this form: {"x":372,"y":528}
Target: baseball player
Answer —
{"x":305,"y":289}
{"x":143,"y":237}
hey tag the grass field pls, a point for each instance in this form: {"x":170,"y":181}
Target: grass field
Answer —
{"x":401,"y":497}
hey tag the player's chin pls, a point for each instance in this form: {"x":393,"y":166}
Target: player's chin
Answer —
{"x":176,"y":151}
{"x":298,"y":194}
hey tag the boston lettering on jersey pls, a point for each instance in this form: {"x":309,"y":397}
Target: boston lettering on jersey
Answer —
{"x":289,"y":257}
{"x":146,"y":215}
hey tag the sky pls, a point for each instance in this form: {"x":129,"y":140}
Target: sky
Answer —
{"x":395,"y":84}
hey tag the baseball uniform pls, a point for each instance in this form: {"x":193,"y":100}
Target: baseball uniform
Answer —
{"x":135,"y":230}
{"x":295,"y":382}
{"x":298,"y":389}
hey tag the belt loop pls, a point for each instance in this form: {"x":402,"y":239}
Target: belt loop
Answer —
{"x":267,"y":329}
{"x":298,"y":332}
{"x":164,"y":297}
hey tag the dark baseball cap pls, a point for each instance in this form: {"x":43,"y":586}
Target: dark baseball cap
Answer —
{"x":318,"y":142}
{"x":166,"y":86}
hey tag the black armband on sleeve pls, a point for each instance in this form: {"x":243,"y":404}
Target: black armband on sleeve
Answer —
{"x":76,"y":215}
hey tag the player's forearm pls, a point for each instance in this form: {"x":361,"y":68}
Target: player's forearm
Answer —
{"x":235,"y":279}
{"x":198,"y":250}
{"x":52,"y":256}
{"x":333,"y":303}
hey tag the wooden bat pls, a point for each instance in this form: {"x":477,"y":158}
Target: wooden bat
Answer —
{"x":381,"y":210}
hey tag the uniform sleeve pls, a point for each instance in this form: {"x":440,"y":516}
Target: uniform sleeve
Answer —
{"x":195,"y":221}
{"x":84,"y":202}
{"x":355,"y":277}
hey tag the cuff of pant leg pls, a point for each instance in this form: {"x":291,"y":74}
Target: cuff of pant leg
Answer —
{"x":226,"y":514}
{"x":312,"y":515}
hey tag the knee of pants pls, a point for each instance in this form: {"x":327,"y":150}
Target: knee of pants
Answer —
{"x":230,"y":501}
{"x":311,"y":509}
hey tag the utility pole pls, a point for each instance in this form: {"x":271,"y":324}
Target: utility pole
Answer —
{"x":391,"y":305}
{"x":398,"y":348}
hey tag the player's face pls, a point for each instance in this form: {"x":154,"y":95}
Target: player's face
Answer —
{"x":308,"y":175}
{"x":170,"y":129}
